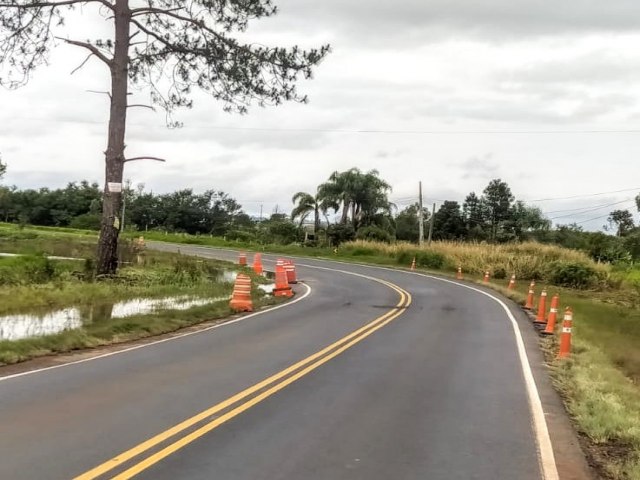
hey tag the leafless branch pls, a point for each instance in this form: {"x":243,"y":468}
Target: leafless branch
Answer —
{"x":145,"y":10}
{"x":144,"y":158}
{"x":141,"y":106}
{"x":89,"y":47}
{"x":54,"y":4}
{"x":97,"y":91}
{"x":82,"y":64}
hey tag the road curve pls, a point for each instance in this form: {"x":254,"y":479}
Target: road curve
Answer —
{"x":422,"y":380}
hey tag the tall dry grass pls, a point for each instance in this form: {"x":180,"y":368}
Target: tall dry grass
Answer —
{"x":528,"y":260}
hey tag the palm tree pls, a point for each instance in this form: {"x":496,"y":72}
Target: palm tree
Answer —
{"x":308,"y":204}
{"x":340,"y":191}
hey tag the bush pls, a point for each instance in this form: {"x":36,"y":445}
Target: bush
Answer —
{"x":27,"y":269}
{"x":499,"y":273}
{"x":339,"y":234}
{"x":430,"y":259}
{"x":573,"y":275}
{"x":373,"y":233}
{"x":87,"y":221}
{"x":240,"y":235}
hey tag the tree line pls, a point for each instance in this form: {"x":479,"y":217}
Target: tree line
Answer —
{"x":349,"y":205}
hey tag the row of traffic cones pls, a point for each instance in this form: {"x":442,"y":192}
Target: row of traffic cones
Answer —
{"x":545,"y":322}
{"x":285,"y":274}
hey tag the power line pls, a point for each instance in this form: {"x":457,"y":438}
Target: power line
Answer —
{"x":584,"y":196}
{"x":354,"y":131}
{"x":589,"y":209}
{"x":591,"y":219}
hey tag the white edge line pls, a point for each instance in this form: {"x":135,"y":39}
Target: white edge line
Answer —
{"x":546,"y":457}
{"x":156,"y":342}
{"x":545,"y":448}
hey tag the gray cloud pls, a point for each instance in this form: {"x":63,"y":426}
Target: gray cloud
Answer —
{"x":386,"y":22}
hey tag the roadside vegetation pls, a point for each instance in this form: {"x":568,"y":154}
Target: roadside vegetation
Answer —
{"x":349,"y":217}
{"x":32,"y":284}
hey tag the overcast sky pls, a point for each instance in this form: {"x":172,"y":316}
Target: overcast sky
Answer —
{"x":449,"y":92}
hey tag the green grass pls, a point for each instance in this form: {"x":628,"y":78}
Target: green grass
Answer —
{"x":119,"y":330}
{"x":33,"y":284}
{"x":600,"y":382}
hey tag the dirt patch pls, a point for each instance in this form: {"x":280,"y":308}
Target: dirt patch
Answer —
{"x":601,"y":454}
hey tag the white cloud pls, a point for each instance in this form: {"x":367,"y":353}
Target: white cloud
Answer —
{"x":441,"y":66}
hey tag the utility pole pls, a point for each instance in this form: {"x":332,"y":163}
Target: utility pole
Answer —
{"x":433,"y":214}
{"x":420,"y":216}
{"x":260,"y":212}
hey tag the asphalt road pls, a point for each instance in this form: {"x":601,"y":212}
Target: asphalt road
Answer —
{"x":430,"y":386}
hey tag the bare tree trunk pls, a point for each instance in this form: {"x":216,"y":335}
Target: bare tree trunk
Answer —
{"x":107,"y":263}
{"x":316,"y":220}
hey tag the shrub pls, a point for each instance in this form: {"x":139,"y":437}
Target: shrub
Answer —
{"x":339,"y":234}
{"x":240,"y":235}
{"x":572,"y":274}
{"x":499,"y":273}
{"x":87,"y":221}
{"x":373,"y":233}
{"x":430,"y":259}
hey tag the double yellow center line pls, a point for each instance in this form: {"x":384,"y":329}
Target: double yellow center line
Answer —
{"x":245,"y":399}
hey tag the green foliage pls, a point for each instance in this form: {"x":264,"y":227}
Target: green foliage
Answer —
{"x":429,"y":259}
{"x":86,"y":221}
{"x":622,"y":220}
{"x":29,"y":269}
{"x":448,"y":223}
{"x":572,"y":275}
{"x":407,"y":224}
{"x":280,"y":231}
{"x":374,"y":233}
{"x":340,"y":233}
{"x":499,"y":273}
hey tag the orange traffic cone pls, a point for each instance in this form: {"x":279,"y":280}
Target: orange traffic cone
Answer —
{"x":282,"y":288}
{"x":542,"y":308}
{"x":241,"y":299}
{"x":413,"y":263}
{"x":512,"y":282}
{"x":553,"y":315}
{"x":257,"y":263}
{"x":242,"y":259}
{"x":529,"y":304}
{"x":290,"y":268}
{"x":565,"y":336}
{"x":486,"y":277}
{"x":459,"y":274}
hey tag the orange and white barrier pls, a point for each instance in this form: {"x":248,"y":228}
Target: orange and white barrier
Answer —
{"x":529,"y":304}
{"x":553,"y":315}
{"x":257,"y":263}
{"x":565,"y":335}
{"x":486,"y":277}
{"x":241,"y":299}
{"x":459,"y":274}
{"x":242,"y":259}
{"x":282,"y":288}
{"x":290,"y":268}
{"x":542,"y":308}
{"x":413,"y":263}
{"x":512,"y":282}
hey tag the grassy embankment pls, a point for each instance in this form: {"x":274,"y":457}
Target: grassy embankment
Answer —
{"x":33,"y":284}
{"x":600,"y":384}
